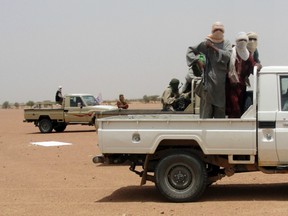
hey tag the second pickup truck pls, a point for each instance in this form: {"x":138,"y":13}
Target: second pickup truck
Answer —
{"x":76,"y":109}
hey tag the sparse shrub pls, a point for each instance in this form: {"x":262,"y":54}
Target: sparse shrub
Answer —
{"x":6,"y":105}
{"x":30,"y":103}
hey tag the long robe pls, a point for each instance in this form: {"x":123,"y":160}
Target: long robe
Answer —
{"x":216,"y":70}
{"x":235,"y":92}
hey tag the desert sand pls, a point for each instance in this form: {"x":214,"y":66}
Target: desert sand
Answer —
{"x":62,"y":180}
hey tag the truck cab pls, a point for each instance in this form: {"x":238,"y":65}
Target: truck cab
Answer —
{"x":272,"y":116}
{"x":81,"y":108}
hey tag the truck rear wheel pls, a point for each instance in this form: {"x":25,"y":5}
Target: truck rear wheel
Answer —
{"x":45,"y":126}
{"x":181,"y":177}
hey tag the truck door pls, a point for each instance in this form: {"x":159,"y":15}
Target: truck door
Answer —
{"x":282,"y":120}
{"x":74,"y":112}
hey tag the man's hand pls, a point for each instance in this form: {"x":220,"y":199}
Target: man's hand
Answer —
{"x":211,"y":45}
{"x":186,"y":95}
{"x":208,"y":43}
{"x":259,"y":66}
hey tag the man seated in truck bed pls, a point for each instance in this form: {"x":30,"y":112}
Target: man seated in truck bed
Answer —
{"x":172,"y":100}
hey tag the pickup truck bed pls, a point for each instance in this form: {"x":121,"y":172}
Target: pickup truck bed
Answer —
{"x":54,"y":113}
{"x":141,"y":134}
{"x":141,"y":112}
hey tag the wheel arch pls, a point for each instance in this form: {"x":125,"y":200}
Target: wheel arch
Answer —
{"x":36,"y":122}
{"x":44,"y":117}
{"x":94,"y":118}
{"x":179,"y":142}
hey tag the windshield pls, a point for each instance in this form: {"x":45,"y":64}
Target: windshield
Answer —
{"x":90,"y":100}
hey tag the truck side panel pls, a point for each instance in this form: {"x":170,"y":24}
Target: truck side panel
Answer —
{"x":143,"y":134}
{"x":34,"y":114}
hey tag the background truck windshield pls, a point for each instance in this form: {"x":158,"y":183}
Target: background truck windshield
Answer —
{"x":90,"y":100}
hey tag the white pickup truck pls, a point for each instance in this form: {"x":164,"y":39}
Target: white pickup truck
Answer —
{"x":183,"y":154}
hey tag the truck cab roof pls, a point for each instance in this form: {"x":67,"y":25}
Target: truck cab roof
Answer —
{"x":274,"y":69}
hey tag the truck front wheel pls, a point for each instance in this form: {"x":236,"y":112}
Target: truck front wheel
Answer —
{"x":45,"y":126}
{"x":60,"y":127}
{"x":181,"y":177}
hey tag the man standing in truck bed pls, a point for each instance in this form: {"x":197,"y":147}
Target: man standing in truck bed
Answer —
{"x":58,"y":96}
{"x":217,"y":52}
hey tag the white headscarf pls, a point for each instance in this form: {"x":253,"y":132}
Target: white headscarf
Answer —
{"x":242,"y":51}
{"x":252,"y":44}
{"x":217,"y":33}
{"x":241,"y":45}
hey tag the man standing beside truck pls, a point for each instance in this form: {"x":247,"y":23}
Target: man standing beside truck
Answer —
{"x":121,"y":103}
{"x":217,"y":51}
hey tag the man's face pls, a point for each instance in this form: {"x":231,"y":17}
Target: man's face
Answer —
{"x":174,"y":87}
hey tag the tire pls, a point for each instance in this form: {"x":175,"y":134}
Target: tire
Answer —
{"x":60,"y":127}
{"x":181,"y":177}
{"x":45,"y":126}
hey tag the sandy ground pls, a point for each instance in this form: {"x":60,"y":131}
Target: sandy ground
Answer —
{"x":37,"y":180}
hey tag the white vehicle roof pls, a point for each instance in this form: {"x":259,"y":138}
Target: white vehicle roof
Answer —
{"x":79,"y":94}
{"x":274,"y":69}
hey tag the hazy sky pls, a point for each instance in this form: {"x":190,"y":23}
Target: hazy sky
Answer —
{"x":132,"y":47}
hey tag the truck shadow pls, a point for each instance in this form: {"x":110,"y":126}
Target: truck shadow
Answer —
{"x":247,"y":192}
{"x":66,"y":132}
{"x":134,"y":194}
{"x":231,"y":192}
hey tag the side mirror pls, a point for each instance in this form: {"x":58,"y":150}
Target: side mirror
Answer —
{"x":79,"y":105}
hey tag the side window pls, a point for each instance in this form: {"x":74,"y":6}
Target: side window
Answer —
{"x":76,"y":101}
{"x":284,"y":92}
{"x":79,"y":101}
{"x":73,"y":102}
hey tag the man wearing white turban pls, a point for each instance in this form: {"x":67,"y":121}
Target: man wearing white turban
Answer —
{"x":217,"y":51}
{"x":58,"y":96}
{"x":252,"y":43}
{"x":252,"y":47}
{"x":240,"y":67}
